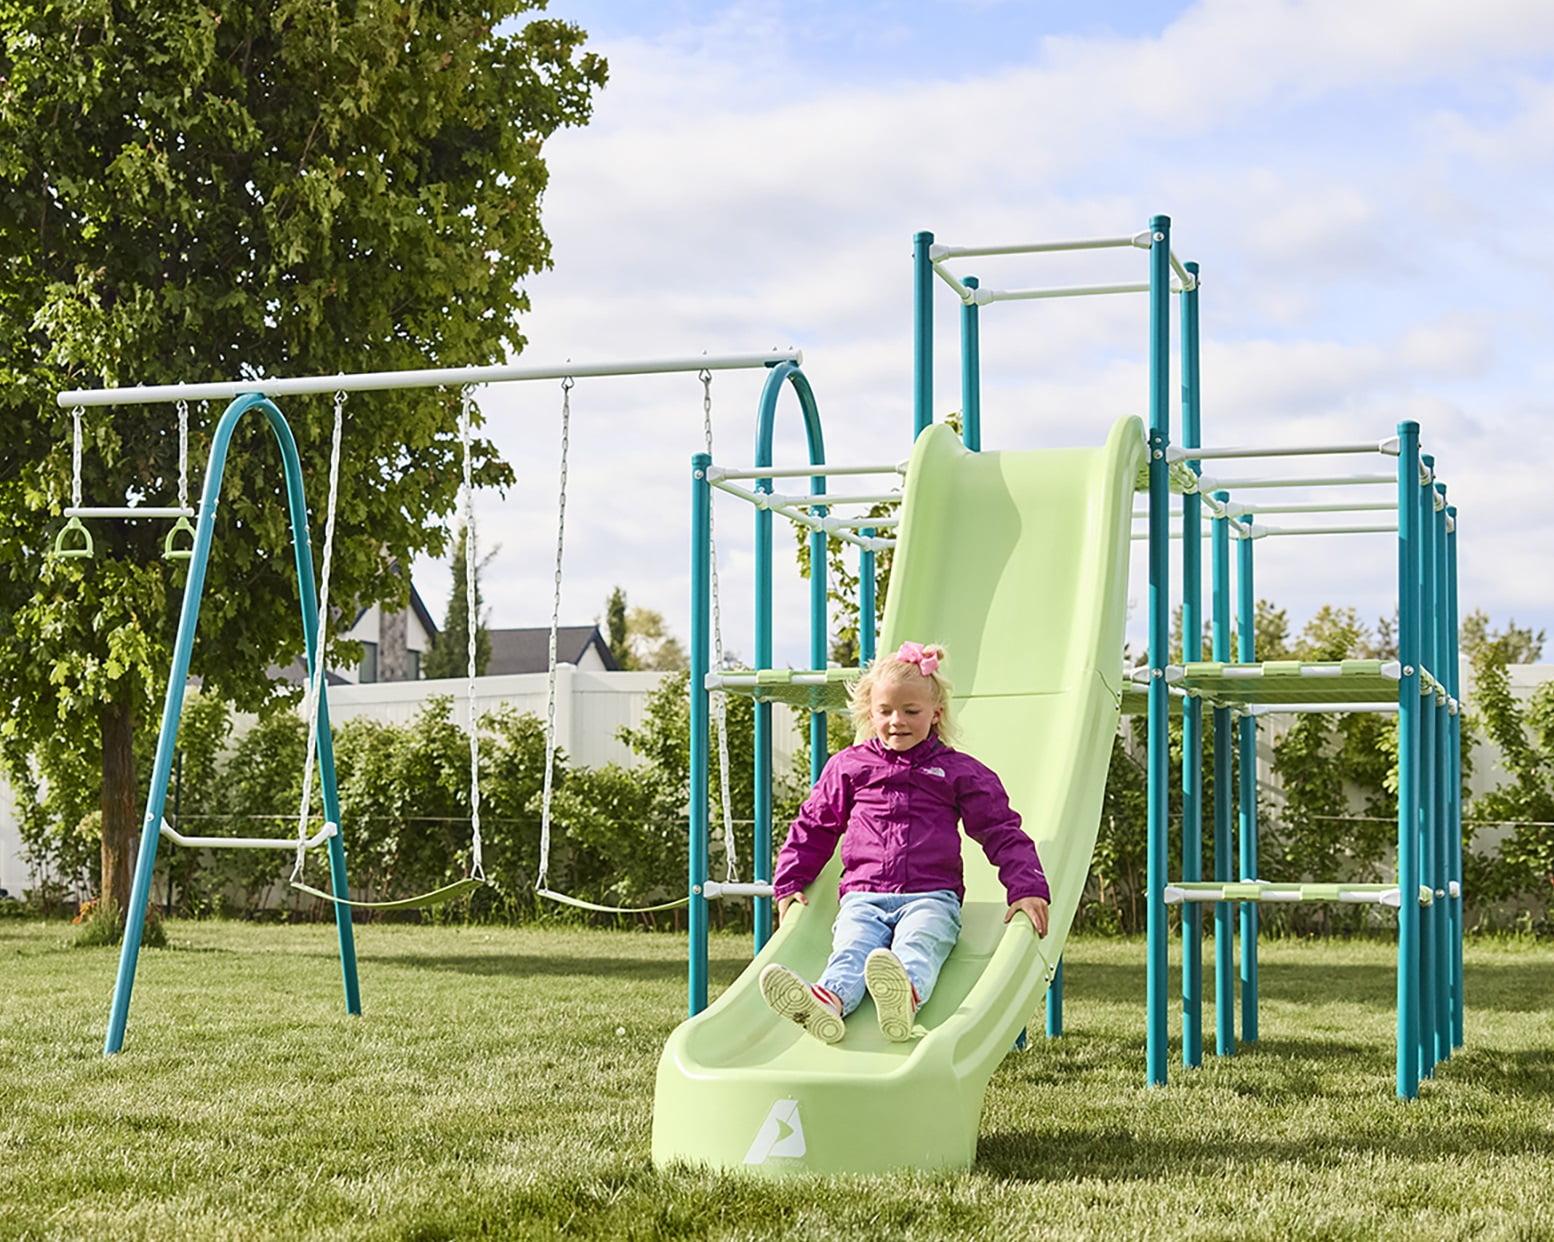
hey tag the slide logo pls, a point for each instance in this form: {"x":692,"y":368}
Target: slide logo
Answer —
{"x":781,"y":1134}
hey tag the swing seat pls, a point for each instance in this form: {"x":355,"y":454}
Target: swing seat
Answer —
{"x":171,"y":549}
{"x":437,"y":897}
{"x":84,"y":549}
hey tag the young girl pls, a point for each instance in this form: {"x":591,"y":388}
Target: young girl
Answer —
{"x":894,"y":799}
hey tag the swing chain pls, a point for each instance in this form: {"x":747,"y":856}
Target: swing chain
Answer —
{"x":567,"y":385}
{"x":718,"y":700}
{"x":316,"y":674}
{"x":183,"y":454}
{"x":477,"y":869}
{"x":75,"y":457}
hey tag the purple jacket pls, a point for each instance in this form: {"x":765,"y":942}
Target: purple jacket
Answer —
{"x":896,"y":814}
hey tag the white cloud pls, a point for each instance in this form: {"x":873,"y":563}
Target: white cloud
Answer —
{"x":732,"y":196}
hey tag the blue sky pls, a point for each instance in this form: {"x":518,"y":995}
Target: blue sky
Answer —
{"x":1366,"y":187}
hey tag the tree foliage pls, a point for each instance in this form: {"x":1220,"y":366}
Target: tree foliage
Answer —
{"x":449,"y":656}
{"x":208,"y":188}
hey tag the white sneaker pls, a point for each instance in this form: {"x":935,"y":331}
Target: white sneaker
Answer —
{"x":803,"y":1002}
{"x":895,"y":999}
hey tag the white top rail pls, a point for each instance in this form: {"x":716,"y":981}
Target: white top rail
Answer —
{"x":718,"y":473}
{"x":938,"y":253}
{"x":985,"y":296}
{"x":804,"y":499}
{"x":1312,"y":709}
{"x":443,"y":377}
{"x":1177,"y":453}
{"x":1341,"y":506}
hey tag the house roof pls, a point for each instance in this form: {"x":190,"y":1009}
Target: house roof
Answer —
{"x":423,"y":615}
{"x":528,"y":650}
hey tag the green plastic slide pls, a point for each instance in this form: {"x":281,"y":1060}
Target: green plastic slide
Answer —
{"x":1018,"y":564}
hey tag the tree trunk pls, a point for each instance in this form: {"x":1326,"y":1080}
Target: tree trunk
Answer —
{"x":118,"y":801}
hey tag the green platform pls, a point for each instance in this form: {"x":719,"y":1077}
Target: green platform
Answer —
{"x":1018,"y":563}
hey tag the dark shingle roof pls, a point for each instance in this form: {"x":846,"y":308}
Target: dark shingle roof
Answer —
{"x":528,"y":650}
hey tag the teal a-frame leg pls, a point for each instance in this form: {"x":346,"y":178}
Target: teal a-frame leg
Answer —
{"x":172,"y":711}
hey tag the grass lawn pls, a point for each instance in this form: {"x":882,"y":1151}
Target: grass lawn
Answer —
{"x":486,"y":1092}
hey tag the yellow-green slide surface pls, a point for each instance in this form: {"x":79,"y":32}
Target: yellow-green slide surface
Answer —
{"x":1018,"y":564}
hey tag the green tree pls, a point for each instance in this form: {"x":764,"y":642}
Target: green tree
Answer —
{"x":650,"y":645}
{"x":206,"y":188}
{"x":449,"y":656}
{"x":616,"y":634}
{"x":1514,"y":644}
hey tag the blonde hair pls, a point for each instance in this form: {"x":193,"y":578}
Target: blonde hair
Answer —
{"x":893,"y":670}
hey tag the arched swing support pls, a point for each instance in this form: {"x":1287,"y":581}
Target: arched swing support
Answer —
{"x":780,"y":375}
{"x":172,"y":711}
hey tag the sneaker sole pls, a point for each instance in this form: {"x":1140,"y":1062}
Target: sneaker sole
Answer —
{"x":788,"y":995}
{"x":889,"y":985}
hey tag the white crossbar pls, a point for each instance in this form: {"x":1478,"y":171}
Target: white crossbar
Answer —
{"x":127,"y":511}
{"x":1178,"y":453}
{"x":803,"y":500}
{"x":442,"y":377}
{"x":717,"y":474}
{"x":247,"y":843}
{"x":1208,"y":484}
{"x":1254,"y":531}
{"x":1341,"y":506}
{"x":1296,"y":709}
{"x":938,"y":254}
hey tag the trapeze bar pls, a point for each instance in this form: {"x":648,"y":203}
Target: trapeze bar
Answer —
{"x":445,"y":377}
{"x":1304,"y":450}
{"x":716,"y":474}
{"x":248,"y":843}
{"x":128,"y":511}
{"x":1207,"y":484}
{"x":1280,"y":709}
{"x":713,"y":889}
{"x":1264,"y":532}
{"x":938,"y":254}
{"x":746,"y":681}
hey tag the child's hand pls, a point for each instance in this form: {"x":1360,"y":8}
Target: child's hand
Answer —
{"x":1034,"y":908}
{"x":785,"y":902}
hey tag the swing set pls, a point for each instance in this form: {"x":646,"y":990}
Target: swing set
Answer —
{"x":74,"y":541}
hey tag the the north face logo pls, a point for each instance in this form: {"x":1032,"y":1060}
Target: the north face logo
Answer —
{"x":933,"y":771}
{"x":781,"y":1134}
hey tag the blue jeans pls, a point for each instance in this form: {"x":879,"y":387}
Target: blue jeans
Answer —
{"x":919,"y":928}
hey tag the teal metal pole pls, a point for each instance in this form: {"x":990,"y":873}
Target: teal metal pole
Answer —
{"x":761,"y":844}
{"x":172,"y":707}
{"x":1427,"y":920}
{"x":783,"y":374}
{"x":701,"y":624}
{"x":1224,"y":792}
{"x":1441,"y":881}
{"x":1055,"y":1003}
{"x":1159,"y":770}
{"x":970,"y":372}
{"x":922,"y":334}
{"x":1246,"y":758}
{"x":1408,"y":761}
{"x":1454,"y":672}
{"x":1192,"y":708}
{"x":866,"y":601}
{"x":819,"y":576}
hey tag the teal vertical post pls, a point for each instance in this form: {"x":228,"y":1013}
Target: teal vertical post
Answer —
{"x":866,"y":601}
{"x":1055,"y":1003}
{"x":1224,"y":793}
{"x":701,"y":625}
{"x":761,"y":845}
{"x":1408,"y":761}
{"x":922,"y":333}
{"x":1425,"y":496}
{"x":1454,"y":673}
{"x":172,"y":708}
{"x":970,"y":372}
{"x":1192,"y":707}
{"x":1246,"y":760}
{"x":819,"y":575}
{"x":1441,"y":881}
{"x":1159,"y":773}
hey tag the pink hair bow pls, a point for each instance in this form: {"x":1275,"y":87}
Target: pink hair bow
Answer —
{"x":926,"y":658}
